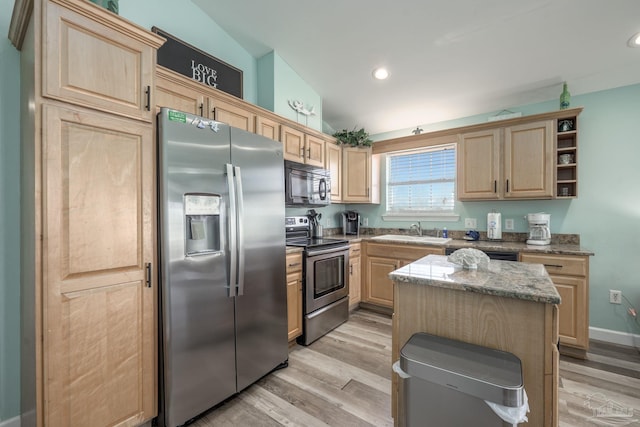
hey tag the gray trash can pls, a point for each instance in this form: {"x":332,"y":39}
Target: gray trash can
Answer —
{"x":453,"y":383}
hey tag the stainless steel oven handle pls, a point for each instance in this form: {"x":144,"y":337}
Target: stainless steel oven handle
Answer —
{"x":240,"y":227}
{"x":316,"y":252}
{"x":232,"y":241}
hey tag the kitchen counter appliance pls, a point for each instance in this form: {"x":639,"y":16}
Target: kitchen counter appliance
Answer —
{"x":325,"y":283}
{"x":306,"y":185}
{"x":350,"y":223}
{"x":539,"y":228}
{"x":223,"y":306}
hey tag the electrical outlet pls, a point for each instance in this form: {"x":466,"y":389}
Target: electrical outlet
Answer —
{"x":508,"y":224}
{"x":615,"y":297}
{"x":365,"y":222}
{"x":470,"y":223}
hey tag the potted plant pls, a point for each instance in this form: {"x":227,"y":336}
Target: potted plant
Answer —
{"x":354,"y":138}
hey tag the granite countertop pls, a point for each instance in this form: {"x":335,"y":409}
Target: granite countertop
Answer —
{"x":487,"y":245}
{"x":503,"y":278}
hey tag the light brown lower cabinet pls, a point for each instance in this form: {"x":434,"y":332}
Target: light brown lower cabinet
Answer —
{"x":355,"y":275}
{"x":379,"y":260}
{"x":294,"y":294}
{"x":570,"y":274}
{"x":98,"y":319}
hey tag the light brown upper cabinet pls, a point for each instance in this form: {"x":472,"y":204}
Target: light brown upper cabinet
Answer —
{"x":302,"y":148}
{"x":359,"y":176}
{"x":514,"y":162}
{"x":333,"y":162}
{"x":87,"y":63}
{"x":175,"y":93}
{"x":268,"y":127}
{"x":231,"y":114}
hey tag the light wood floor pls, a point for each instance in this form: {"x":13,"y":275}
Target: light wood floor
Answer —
{"x":344,"y":379}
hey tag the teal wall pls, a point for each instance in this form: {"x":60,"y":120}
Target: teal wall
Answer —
{"x":266,"y":78}
{"x":289,"y":86}
{"x":9,"y":221}
{"x":607,"y":212}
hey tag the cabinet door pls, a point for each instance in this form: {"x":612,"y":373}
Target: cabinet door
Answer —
{"x":572,"y":311}
{"x":314,"y":151}
{"x":179,"y":97}
{"x":91,"y":64}
{"x":99,"y":318}
{"x":529,"y":160}
{"x":232,"y":115}
{"x":356,"y":174}
{"x":268,"y":128}
{"x":354,"y":282}
{"x":333,"y":162}
{"x":294,"y":305}
{"x":293,"y":144}
{"x":479,"y":165}
{"x":379,"y":288}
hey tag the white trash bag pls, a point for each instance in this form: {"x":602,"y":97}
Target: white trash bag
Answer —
{"x":509,"y":414}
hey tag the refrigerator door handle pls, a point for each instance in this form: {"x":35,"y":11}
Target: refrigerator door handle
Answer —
{"x":240,"y":228}
{"x":232,"y":240}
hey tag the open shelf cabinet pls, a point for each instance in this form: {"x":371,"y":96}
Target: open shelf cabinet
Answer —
{"x":567,"y":155}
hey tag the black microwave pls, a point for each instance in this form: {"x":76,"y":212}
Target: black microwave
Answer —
{"x":306,"y":185}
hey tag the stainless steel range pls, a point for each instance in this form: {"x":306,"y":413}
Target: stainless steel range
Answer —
{"x":325,"y":279}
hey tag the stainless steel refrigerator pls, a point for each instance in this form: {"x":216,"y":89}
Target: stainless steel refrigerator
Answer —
{"x":223,"y":309}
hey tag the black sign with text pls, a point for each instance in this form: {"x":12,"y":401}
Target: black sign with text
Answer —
{"x":197,"y":65}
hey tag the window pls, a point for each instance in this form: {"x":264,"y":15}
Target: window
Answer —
{"x":422,"y":181}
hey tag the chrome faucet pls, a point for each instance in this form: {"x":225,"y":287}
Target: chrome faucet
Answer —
{"x":417,"y":227}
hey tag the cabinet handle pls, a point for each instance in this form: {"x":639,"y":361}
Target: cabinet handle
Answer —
{"x":351,"y":270}
{"x":553,"y":265}
{"x":309,"y":153}
{"x":302,"y":152}
{"x":201,"y":108}
{"x":295,"y":264}
{"x":495,"y":185}
{"x":148,"y":94}
{"x":148,"y":275}
{"x":507,"y":186}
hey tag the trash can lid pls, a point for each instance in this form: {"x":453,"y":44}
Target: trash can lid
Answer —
{"x":482,"y":372}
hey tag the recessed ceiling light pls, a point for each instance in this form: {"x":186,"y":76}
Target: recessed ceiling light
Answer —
{"x":380,"y":73}
{"x":634,"y":41}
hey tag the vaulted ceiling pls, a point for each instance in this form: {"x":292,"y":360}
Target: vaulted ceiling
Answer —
{"x":447,"y":59}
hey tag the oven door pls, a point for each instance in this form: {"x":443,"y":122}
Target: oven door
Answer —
{"x":326,"y":278}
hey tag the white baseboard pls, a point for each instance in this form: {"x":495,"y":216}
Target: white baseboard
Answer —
{"x":614,"y":337}
{"x":13,"y":422}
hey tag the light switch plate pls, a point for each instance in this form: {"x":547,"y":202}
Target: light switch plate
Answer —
{"x":508,"y":224}
{"x":470,"y":223}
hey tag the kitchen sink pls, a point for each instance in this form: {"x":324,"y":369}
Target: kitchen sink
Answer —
{"x":417,"y":239}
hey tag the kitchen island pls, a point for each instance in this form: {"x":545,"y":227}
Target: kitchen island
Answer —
{"x":510,"y":306}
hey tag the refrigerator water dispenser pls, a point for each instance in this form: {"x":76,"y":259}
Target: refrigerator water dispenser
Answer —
{"x":202,"y":224}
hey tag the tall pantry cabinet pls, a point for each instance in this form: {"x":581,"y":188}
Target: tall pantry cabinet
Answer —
{"x":88,"y":224}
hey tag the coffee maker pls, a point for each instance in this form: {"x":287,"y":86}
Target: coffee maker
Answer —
{"x":350,"y":222}
{"x":539,"y":228}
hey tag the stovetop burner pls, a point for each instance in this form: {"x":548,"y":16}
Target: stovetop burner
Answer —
{"x":316,"y":242}
{"x":298,"y":233}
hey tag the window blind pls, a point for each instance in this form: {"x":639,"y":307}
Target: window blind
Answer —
{"x":421,"y":180}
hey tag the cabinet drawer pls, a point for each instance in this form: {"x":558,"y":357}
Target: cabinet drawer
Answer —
{"x":407,"y":252}
{"x":565,"y":265}
{"x":294,"y":262}
{"x":354,"y":250}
